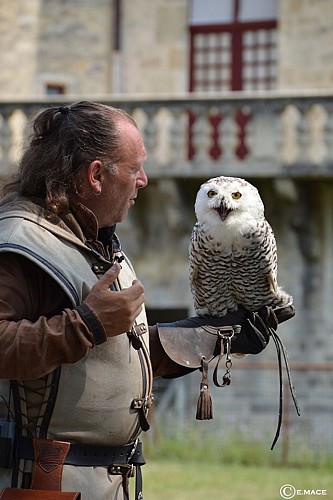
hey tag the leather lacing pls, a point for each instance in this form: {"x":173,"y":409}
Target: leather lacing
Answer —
{"x":282,"y":355}
{"x":225,"y":334}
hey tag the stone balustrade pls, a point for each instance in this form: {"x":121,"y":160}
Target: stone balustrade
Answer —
{"x":200,"y":135}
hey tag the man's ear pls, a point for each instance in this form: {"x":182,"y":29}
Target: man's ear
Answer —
{"x":94,"y":175}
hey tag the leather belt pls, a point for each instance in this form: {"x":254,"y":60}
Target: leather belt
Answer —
{"x":88,"y":455}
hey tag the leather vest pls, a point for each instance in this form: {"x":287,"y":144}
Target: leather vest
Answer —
{"x":94,"y":402}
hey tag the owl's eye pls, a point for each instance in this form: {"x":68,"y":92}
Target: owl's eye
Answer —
{"x":236,"y":195}
{"x":211,"y":194}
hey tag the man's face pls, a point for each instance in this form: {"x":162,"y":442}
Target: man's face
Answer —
{"x":119,"y":190}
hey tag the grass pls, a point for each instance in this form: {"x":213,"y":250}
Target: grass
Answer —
{"x":176,"y":480}
{"x":193,"y":447}
{"x":198,"y":468}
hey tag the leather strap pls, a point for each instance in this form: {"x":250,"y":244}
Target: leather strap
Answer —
{"x":19,"y":494}
{"x":48,"y":464}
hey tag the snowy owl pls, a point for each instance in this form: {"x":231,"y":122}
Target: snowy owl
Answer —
{"x":233,"y":259}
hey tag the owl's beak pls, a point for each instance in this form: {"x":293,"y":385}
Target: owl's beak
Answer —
{"x":223,"y":210}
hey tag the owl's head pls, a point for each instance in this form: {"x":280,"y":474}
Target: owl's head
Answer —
{"x":226,"y":199}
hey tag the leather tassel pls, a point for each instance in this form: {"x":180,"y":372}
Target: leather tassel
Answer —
{"x":205,"y":405}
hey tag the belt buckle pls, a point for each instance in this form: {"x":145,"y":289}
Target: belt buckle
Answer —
{"x":121,"y":469}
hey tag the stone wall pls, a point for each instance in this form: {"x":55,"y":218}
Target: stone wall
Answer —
{"x":155,"y":48}
{"x":71,"y":42}
{"x":18,"y":46}
{"x":74,"y":45}
{"x":64,"y":42}
{"x":306,"y":44}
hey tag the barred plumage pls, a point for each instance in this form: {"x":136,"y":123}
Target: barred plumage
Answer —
{"x":233,"y":258}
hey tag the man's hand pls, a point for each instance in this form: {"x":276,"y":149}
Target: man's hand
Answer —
{"x":116,"y":310}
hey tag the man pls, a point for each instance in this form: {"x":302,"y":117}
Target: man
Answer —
{"x":74,"y":338}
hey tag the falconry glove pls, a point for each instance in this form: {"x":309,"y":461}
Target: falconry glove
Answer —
{"x":187,"y":340}
{"x":194,"y":342}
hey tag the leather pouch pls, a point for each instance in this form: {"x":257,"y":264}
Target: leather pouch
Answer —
{"x":49,"y":460}
{"x":19,"y":494}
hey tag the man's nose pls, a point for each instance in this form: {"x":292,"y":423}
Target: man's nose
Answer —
{"x":142,"y":179}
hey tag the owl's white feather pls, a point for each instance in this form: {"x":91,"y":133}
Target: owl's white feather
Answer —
{"x":233,"y":256}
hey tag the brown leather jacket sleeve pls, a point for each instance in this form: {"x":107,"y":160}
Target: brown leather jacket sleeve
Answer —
{"x":38,"y":329}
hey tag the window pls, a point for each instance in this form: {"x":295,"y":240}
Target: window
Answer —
{"x":55,"y":89}
{"x":233,"y":45}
